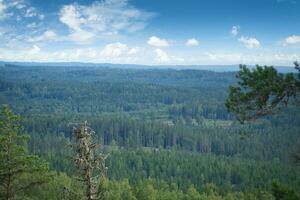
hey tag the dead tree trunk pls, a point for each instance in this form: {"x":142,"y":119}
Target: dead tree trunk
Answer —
{"x":90,"y":164}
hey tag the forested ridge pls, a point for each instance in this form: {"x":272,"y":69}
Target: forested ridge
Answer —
{"x":167,"y":133}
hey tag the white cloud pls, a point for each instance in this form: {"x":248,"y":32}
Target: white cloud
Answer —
{"x":19,"y":4}
{"x":161,"y":56}
{"x":192,"y":42}
{"x":229,"y":58}
{"x":107,"y":17}
{"x":70,"y":15}
{"x":114,"y":50}
{"x":46,"y":36}
{"x":35,"y":50}
{"x":249,"y":42}
{"x":235,"y":30}
{"x":18,"y":9}
{"x":157,"y":42}
{"x":292,"y":40}
{"x":133,"y":51}
{"x":81,"y":36}
{"x":120,"y":53}
{"x":232,"y":58}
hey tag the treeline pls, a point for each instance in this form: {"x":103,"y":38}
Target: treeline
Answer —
{"x":80,"y":90}
{"x":185,"y":168}
{"x":259,"y":142}
{"x":97,"y":97}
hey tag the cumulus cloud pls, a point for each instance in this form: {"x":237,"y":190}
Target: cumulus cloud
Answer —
{"x":249,"y":42}
{"x":192,"y":42}
{"x":119,"y":53}
{"x":292,"y":40}
{"x":108,"y":17}
{"x":235,"y":30}
{"x":116,"y":50}
{"x":161,"y":56}
{"x":157,"y":42}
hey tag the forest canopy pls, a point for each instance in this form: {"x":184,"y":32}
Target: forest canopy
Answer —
{"x":166,"y":133}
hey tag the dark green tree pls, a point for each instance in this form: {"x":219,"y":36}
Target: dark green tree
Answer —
{"x":261,"y":91}
{"x":19,"y":171}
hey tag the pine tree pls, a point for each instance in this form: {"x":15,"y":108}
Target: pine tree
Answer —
{"x":89,"y":162}
{"x":19,"y":171}
{"x":261,"y":91}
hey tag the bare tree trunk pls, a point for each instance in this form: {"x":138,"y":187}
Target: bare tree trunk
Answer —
{"x":87,"y":162}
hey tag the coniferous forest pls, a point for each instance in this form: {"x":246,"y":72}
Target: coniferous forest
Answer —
{"x":140,"y":134}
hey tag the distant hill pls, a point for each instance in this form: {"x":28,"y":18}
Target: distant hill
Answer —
{"x":215,"y":68}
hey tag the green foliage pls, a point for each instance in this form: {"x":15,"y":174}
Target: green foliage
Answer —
{"x":59,"y":187}
{"x":186,"y":168}
{"x":19,"y":171}
{"x":118,"y":190}
{"x":260,"y":91}
{"x":168,"y":133}
{"x":192,"y":193}
{"x":284,"y":192}
{"x":148,"y":189}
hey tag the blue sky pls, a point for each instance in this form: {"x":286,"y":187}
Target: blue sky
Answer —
{"x":154,"y":32}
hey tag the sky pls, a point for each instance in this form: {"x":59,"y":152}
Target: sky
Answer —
{"x":151,"y":32}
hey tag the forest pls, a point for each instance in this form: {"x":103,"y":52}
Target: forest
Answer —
{"x":165,"y":134}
